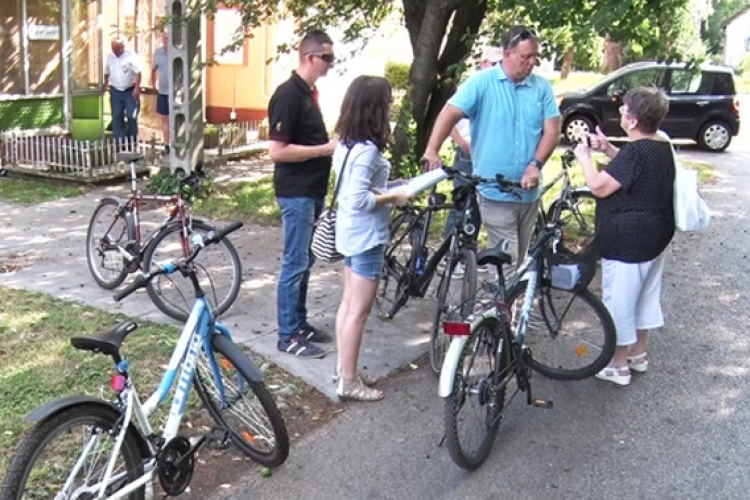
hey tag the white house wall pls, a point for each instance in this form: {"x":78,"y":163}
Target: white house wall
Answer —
{"x":736,"y":41}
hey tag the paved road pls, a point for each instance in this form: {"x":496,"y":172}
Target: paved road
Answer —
{"x":678,"y":432}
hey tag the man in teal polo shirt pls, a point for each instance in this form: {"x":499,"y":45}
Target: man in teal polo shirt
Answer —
{"x":515,"y":126}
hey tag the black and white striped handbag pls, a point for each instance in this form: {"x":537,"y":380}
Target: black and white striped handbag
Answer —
{"x":323,"y":243}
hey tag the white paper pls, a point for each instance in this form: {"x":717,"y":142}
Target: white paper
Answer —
{"x":420,"y":182}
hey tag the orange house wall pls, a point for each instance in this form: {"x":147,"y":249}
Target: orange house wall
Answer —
{"x":245,"y":87}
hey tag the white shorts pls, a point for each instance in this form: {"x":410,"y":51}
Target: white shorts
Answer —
{"x":632,"y":294}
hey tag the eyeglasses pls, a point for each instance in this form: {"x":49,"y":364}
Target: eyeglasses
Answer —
{"x":522,"y":35}
{"x":323,"y":56}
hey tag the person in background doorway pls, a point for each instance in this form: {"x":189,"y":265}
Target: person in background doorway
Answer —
{"x":301,"y":152}
{"x":122,"y":77}
{"x":160,"y":81}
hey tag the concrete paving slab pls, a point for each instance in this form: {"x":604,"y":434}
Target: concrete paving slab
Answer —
{"x":49,"y":239}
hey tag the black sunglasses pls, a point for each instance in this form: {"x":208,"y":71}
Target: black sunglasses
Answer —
{"x":325,"y":57}
{"x":522,"y":35}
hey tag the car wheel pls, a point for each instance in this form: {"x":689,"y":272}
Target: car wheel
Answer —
{"x":714,"y":136}
{"x":576,"y":126}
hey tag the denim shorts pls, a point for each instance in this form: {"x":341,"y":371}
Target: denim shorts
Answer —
{"x":368,"y":264}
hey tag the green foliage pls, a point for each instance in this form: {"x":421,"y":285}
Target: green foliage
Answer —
{"x":744,"y":66}
{"x":397,"y":74}
{"x":712,"y":32}
{"x":164,"y":182}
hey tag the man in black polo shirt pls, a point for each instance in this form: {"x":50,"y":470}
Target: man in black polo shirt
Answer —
{"x":301,"y":152}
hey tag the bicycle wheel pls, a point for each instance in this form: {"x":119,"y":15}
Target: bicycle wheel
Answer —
{"x":250,"y":415}
{"x":579,"y":221}
{"x":219,"y":272}
{"x":107,"y":231}
{"x":474,"y":407}
{"x":394,"y":282}
{"x":571,"y":334}
{"x":456,"y":292}
{"x":70,"y":450}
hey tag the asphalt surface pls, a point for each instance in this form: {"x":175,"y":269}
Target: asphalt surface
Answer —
{"x":677,"y":432}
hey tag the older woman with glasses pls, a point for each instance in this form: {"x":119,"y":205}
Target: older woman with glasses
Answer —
{"x":635,"y":223}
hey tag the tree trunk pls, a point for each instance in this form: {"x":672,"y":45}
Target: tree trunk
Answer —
{"x":567,"y":64}
{"x":612,"y":55}
{"x":433,"y":79}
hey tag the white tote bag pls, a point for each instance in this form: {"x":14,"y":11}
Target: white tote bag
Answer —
{"x":691,"y":212}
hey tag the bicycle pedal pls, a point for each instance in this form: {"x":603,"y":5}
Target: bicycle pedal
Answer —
{"x":543,"y":403}
{"x":218,"y":439}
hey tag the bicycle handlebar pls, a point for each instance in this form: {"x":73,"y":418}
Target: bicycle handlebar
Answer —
{"x":212,"y":237}
{"x":500,"y":181}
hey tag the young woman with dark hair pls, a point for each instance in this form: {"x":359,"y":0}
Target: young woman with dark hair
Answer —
{"x":362,"y":220}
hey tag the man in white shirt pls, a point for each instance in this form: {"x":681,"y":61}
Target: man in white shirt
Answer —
{"x":122,"y":77}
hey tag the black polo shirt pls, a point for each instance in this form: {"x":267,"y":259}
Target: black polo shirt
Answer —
{"x":295,"y":118}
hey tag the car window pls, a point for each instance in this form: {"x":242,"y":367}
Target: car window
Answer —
{"x":723,"y":84}
{"x":688,"y":81}
{"x":646,"y":77}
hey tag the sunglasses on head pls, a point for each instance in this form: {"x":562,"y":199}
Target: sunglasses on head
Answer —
{"x":323,"y":56}
{"x":522,"y":35}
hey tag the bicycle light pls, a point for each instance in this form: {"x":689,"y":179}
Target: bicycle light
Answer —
{"x":456,"y":328}
{"x":118,"y":382}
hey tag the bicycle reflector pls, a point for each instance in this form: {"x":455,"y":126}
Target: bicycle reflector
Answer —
{"x":118,"y":382}
{"x":456,"y":328}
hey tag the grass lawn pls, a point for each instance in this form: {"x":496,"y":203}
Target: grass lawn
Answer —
{"x":40,"y":365}
{"x":29,"y":192}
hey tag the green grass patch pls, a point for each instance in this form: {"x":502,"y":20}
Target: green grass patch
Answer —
{"x":40,"y":365}
{"x":247,"y":201}
{"x":576,"y":81}
{"x":29,"y":192}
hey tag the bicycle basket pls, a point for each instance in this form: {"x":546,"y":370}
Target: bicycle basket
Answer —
{"x":571,"y":271}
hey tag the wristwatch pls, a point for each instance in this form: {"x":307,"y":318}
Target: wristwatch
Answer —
{"x":536,"y":162}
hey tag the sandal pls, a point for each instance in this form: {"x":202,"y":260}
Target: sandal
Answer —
{"x":615,"y":375}
{"x":638,"y":363}
{"x":356,"y":390}
{"x":367,"y":380}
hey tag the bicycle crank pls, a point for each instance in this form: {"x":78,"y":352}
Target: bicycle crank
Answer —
{"x":176,"y":464}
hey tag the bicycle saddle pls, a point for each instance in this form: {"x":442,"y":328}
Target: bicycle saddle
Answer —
{"x":130,"y":157}
{"x":108,"y":342}
{"x":495,"y":256}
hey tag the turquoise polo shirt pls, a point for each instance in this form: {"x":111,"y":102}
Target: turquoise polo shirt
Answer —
{"x":507,"y":121}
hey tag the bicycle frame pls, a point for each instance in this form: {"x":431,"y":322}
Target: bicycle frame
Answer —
{"x":199,"y":328}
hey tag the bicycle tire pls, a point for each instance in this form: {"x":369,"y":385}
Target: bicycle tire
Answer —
{"x":113,"y":269}
{"x":454,"y":307}
{"x":579,"y":221}
{"x":41,"y":447}
{"x":218,"y":267}
{"x":268,"y":429}
{"x":573,"y":353}
{"x":394,"y":283}
{"x":474,"y":391}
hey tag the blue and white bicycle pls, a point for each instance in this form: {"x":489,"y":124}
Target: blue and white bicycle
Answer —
{"x":87,"y":448}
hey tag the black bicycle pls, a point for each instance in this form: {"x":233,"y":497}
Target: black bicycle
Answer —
{"x":410,"y":264}
{"x":574,"y":207}
{"x":547,"y":309}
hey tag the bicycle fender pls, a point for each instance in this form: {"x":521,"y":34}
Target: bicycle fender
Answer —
{"x":448,"y":372}
{"x":54,"y":407}
{"x":47,"y":410}
{"x":230,"y":349}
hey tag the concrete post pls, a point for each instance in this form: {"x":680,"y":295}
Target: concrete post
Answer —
{"x":185,"y":88}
